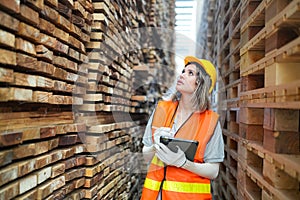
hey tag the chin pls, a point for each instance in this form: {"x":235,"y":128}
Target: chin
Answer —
{"x":177,"y":87}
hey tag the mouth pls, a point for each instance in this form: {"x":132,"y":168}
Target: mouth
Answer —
{"x":179,"y":82}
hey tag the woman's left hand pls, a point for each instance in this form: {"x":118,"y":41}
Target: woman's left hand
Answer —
{"x":169,"y":157}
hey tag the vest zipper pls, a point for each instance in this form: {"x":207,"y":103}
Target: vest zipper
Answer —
{"x":170,"y":125}
{"x":173,"y":116}
{"x":162,"y":182}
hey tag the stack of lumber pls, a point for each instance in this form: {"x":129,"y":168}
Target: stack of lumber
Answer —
{"x":69,"y":128}
{"x":42,"y":76}
{"x":153,"y":77}
{"x":114,"y":108}
{"x":255,"y":45}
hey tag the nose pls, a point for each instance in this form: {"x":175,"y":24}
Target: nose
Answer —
{"x":182,"y":75}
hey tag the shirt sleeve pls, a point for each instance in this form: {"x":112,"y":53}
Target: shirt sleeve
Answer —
{"x":214,"y":151}
{"x":147,"y":138}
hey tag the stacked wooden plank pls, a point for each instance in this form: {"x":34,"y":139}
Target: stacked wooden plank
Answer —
{"x":154,"y":76}
{"x":258,"y":56}
{"x":67,"y":128}
{"x":115,"y":106}
{"x":41,"y":74}
{"x":107,"y":102}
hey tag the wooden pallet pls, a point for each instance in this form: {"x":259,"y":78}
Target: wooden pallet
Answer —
{"x":251,"y":124}
{"x":262,"y":61}
{"x":272,"y":27}
{"x":282,"y":96}
{"x":273,"y":8}
{"x":253,"y":14}
{"x":229,"y":190}
{"x":252,"y":82}
{"x":269,"y":167}
{"x":281,"y":127}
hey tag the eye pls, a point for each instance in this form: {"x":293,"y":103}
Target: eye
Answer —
{"x":190,"y":72}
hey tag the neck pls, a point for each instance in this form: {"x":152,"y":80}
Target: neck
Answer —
{"x":185,"y":103}
{"x":184,"y":111}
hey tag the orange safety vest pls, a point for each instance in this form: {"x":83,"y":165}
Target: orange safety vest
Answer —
{"x":178,"y":183}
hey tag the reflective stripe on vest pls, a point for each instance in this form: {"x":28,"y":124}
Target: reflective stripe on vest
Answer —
{"x":152,"y":184}
{"x":157,"y":162}
{"x":173,"y":186}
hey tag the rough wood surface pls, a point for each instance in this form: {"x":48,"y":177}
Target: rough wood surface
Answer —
{"x":257,"y":47}
{"x":66,"y":72}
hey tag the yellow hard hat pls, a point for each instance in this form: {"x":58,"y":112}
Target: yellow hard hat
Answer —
{"x":208,"y":67}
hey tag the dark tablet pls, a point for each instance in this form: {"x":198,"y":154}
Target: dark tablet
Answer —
{"x":189,"y":147}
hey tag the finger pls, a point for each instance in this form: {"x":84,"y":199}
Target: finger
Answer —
{"x":156,"y":146}
{"x":166,"y":150}
{"x":163,"y":147}
{"x":165,"y":128}
{"x":161,"y":155}
{"x":159,"y":151}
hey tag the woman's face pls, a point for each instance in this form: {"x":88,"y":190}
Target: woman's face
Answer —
{"x":187,"y":80}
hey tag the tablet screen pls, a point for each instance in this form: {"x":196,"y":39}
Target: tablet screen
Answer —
{"x":189,"y":147}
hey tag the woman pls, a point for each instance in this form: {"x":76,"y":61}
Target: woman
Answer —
{"x":187,"y":115}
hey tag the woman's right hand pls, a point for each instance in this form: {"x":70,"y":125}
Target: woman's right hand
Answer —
{"x":162,"y":131}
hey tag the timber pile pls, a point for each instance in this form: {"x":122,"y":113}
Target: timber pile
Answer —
{"x":69,"y":128}
{"x":42,"y":76}
{"x":153,"y":77}
{"x":258,"y":58}
{"x":114,"y":123}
